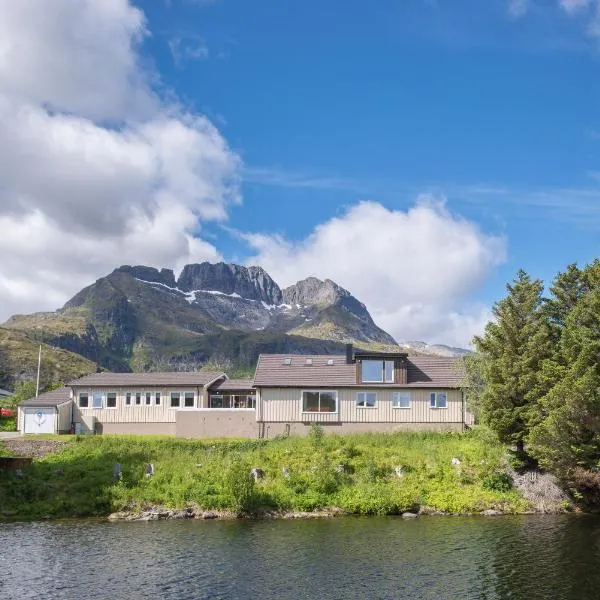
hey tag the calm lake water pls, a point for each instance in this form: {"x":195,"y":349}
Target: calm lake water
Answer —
{"x":524,"y":557}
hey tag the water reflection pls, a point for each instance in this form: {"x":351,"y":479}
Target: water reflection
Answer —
{"x":429,"y":558}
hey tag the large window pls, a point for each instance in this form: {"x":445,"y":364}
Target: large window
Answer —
{"x":366,"y":399}
{"x":377,"y":371}
{"x":438,"y":400}
{"x":318,"y":401}
{"x":232,"y":401}
{"x":111,"y":400}
{"x":401,"y":400}
{"x":84,"y":400}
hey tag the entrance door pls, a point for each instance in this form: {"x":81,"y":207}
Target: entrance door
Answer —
{"x":39,"y":420}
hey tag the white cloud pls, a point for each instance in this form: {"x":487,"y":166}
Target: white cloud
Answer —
{"x":97,"y":168}
{"x":414,"y":269}
{"x":572,"y":6}
{"x":518,"y":8}
{"x":188,"y":48}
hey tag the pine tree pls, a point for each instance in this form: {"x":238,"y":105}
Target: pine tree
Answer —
{"x":568,"y":434}
{"x":513,"y":347}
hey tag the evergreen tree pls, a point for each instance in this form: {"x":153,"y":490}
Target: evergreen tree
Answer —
{"x":568,"y":433}
{"x":513,"y":348}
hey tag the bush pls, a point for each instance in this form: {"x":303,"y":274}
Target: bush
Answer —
{"x":497,"y":482}
{"x":316,"y":435}
{"x":239,"y":486}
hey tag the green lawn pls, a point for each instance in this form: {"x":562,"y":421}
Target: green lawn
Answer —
{"x":213,"y":474}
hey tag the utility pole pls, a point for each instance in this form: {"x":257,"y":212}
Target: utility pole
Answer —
{"x":37,"y":385}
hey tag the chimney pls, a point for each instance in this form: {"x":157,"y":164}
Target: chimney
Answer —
{"x":349,"y":354}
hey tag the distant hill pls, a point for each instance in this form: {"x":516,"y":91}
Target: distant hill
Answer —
{"x":141,"y":318}
{"x":434,"y":349}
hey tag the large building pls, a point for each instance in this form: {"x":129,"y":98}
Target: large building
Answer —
{"x":355,"y":392}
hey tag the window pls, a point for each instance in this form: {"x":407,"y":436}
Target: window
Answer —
{"x":138,"y":398}
{"x":157,"y":399}
{"x":111,"y":400}
{"x":188,"y":400}
{"x":97,"y":400}
{"x":128,"y":399}
{"x":438,"y":399}
{"x":366,"y":399}
{"x":377,"y":371}
{"x":319,"y":402}
{"x":84,"y":400}
{"x":175,"y":398}
{"x":148,"y":398}
{"x":216,"y":402}
{"x":401,"y":400}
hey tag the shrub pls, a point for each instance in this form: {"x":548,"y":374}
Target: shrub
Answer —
{"x":316,"y":435}
{"x":497,"y":482}
{"x":239,"y":486}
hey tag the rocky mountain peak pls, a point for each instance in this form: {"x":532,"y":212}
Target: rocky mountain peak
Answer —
{"x":252,"y":283}
{"x":164,"y":276}
{"x":312,"y":291}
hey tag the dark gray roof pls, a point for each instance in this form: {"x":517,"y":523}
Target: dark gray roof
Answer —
{"x":53,"y":398}
{"x":5,"y":392}
{"x":199,"y":378}
{"x":226,"y":385}
{"x":422,"y":371}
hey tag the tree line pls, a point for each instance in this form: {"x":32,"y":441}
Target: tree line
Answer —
{"x":535,"y":375}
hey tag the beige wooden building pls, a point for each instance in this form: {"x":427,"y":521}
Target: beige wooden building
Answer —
{"x":355,"y":392}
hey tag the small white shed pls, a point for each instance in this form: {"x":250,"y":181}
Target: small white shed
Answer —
{"x":48,"y":413}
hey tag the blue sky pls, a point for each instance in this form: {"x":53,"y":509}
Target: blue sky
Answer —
{"x":419,"y":152}
{"x":460,"y":98}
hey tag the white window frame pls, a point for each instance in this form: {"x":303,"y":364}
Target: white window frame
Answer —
{"x":146,"y":396}
{"x":308,"y":412}
{"x":182,"y":394}
{"x":183,"y":406}
{"x":106,"y":406}
{"x":131,"y":397}
{"x":87,"y":395}
{"x":364,"y":393}
{"x":135,"y":396}
{"x":158,"y":398}
{"x":434,"y":403}
{"x":396,"y":400}
{"x":94,"y":396}
{"x":383,"y":362}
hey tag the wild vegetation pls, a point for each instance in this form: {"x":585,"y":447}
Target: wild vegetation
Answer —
{"x":536,"y":378}
{"x":360,"y":474}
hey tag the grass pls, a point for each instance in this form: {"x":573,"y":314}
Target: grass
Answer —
{"x":214,"y":475}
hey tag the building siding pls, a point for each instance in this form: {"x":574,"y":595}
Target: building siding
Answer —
{"x":285,"y":405}
{"x":135,"y":413}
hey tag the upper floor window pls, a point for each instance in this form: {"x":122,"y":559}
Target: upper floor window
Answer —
{"x":438,"y":400}
{"x":377,"y":371}
{"x":84,"y":400}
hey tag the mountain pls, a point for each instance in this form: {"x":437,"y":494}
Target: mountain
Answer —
{"x":434,"y":349}
{"x":141,"y":318}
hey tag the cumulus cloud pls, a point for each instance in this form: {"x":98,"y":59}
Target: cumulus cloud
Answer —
{"x":413,"y":269}
{"x":572,"y":6}
{"x":97,"y":168}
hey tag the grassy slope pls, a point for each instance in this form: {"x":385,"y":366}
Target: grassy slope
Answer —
{"x":21,"y":354}
{"x":194,"y":472}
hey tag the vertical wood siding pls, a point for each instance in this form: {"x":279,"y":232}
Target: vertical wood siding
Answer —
{"x":134,"y":413}
{"x":285,"y":405}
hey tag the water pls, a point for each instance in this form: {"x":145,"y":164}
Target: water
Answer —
{"x":525,"y":557}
